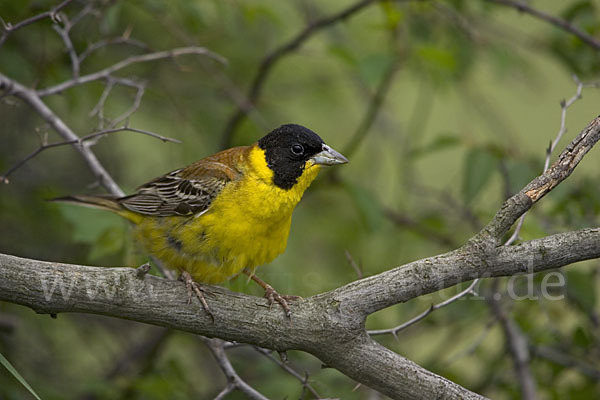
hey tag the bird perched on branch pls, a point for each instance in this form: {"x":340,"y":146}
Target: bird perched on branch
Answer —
{"x":227,"y":213}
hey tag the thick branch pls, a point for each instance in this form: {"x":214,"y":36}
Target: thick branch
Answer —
{"x":436,"y":273}
{"x":330,"y":325}
{"x":515,"y":206}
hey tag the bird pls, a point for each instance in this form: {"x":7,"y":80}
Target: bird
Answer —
{"x":227,"y":213}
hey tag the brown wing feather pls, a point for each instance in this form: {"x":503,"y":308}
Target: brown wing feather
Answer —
{"x":188,"y":190}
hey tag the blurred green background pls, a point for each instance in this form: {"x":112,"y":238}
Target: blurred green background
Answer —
{"x":469,"y":102}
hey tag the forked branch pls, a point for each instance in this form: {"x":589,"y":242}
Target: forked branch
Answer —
{"x":331,"y":325}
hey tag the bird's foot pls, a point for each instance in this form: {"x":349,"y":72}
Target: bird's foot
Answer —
{"x":272,"y":296}
{"x":194,"y":288}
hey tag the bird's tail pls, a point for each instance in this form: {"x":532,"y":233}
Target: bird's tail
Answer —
{"x":108,"y":202}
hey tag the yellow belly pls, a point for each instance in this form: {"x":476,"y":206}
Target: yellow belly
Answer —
{"x":247,"y":225}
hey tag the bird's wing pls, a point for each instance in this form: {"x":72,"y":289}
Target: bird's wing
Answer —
{"x":185,"y":191}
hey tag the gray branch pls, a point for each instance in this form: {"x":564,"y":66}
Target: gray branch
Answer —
{"x":556,"y":21}
{"x":30,"y":97}
{"x":108,"y":71}
{"x":331,"y":326}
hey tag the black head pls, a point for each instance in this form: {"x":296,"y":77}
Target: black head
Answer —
{"x":287,"y":149}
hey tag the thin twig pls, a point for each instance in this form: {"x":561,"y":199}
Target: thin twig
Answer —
{"x":271,"y":59}
{"x":129,"y":129}
{"x":216,"y":348}
{"x":63,"y":32}
{"x":374,"y":107}
{"x":444,"y":198}
{"x":106,"y":72}
{"x":475,"y":344}
{"x":99,"y":107}
{"x":137,"y":101}
{"x":139,"y":353}
{"x":565,"y":360}
{"x":556,"y":21}
{"x":470,"y":290}
{"x":564,"y":105}
{"x":517,"y":342}
{"x":461,"y":21}
{"x":30,"y":97}
{"x":111,"y":41}
{"x":408,"y":222}
{"x":303,"y":379}
{"x":79,"y":141}
{"x":10,"y":28}
{"x":111,"y":81}
{"x":518,"y":346}
{"x":357,"y":268}
{"x":226,"y":390}
{"x":88,"y":9}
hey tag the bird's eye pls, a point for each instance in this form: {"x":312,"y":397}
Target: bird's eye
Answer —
{"x":297,"y":149}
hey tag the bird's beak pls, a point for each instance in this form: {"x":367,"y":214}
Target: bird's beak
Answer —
{"x":329,"y":156}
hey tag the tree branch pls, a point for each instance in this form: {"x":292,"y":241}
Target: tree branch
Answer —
{"x":518,"y":204}
{"x":566,"y":360}
{"x":329,"y":326}
{"x":94,"y":135}
{"x":106,"y":72}
{"x":10,"y":28}
{"x":517,"y":345}
{"x":272,"y":58}
{"x":30,"y":97}
{"x":556,"y":21}
{"x":303,"y":379}
{"x":233,"y":379}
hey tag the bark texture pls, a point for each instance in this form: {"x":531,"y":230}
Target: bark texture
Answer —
{"x":331,"y":325}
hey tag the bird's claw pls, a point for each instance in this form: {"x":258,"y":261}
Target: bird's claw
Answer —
{"x":272,"y":296}
{"x":194,"y":288}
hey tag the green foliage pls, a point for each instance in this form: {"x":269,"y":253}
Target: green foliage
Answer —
{"x":465,"y":122}
{"x":578,"y":56}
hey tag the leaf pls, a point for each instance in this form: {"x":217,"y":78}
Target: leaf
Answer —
{"x":393,"y":14}
{"x":479,"y":166}
{"x":17,"y":376}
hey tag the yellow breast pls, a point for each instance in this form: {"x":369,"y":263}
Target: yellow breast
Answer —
{"x":246,"y":225}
